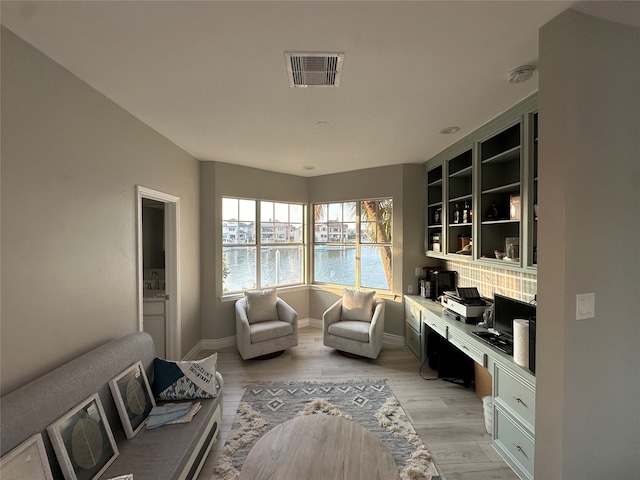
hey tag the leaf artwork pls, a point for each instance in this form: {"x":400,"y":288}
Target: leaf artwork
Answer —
{"x":135,"y":397}
{"x":86,"y":443}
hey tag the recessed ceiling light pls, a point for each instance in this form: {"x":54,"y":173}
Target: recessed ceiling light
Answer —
{"x":521,"y":74}
{"x":449,"y":130}
{"x":309,"y":167}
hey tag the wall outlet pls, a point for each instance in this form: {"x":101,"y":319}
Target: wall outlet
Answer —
{"x":418,"y":271}
{"x":585,"y":306}
{"x":410,"y":289}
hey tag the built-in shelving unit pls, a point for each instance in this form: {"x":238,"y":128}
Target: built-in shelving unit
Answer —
{"x":483,"y":189}
{"x":435,"y":211}
{"x":500,"y":188}
{"x":460,"y":201}
{"x":533,"y":204}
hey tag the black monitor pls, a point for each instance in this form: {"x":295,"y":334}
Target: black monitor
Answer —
{"x":505,"y":309}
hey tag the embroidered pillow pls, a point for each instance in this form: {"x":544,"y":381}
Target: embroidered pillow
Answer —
{"x":357,"y":305}
{"x":261,"y":305}
{"x":185,"y":380}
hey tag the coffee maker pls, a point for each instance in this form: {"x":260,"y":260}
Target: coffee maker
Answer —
{"x":436,"y":282}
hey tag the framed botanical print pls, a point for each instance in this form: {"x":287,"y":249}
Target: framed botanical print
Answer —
{"x":132,"y":395}
{"x":28,"y":461}
{"x":83,"y":441}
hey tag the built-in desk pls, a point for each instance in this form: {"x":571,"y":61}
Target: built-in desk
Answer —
{"x":514,"y":387}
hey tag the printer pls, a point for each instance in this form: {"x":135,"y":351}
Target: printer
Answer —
{"x":464,"y":304}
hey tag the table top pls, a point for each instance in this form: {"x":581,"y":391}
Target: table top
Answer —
{"x":319,"y":447}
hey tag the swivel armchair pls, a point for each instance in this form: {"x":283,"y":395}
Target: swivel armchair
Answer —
{"x":265,"y":325}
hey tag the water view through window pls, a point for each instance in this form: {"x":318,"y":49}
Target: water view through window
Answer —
{"x":332,"y":265}
{"x":263,"y":244}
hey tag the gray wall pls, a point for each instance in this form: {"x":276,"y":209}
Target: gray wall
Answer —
{"x":71,"y":159}
{"x":219,"y":180}
{"x":588,"y":389}
{"x":404,"y":184}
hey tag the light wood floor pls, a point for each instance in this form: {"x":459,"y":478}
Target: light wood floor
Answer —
{"x":449,"y":418}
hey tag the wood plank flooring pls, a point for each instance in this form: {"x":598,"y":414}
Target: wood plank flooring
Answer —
{"x":448,"y":417}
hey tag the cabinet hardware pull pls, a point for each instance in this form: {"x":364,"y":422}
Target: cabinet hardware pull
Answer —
{"x":464,"y":346}
{"x":518,"y":447}
{"x":519,"y":400}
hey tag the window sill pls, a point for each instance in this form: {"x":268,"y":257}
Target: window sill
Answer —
{"x":233,"y":297}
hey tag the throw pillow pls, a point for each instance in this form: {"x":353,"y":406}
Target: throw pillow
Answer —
{"x":185,"y":380}
{"x":261,"y":305}
{"x":357,"y":305}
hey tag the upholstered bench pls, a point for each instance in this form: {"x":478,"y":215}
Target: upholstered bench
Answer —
{"x":169,"y":452}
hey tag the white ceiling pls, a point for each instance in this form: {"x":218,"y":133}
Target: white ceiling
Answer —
{"x":211,"y":76}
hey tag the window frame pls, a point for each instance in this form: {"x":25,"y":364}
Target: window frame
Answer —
{"x":299,"y":239}
{"x":357,"y":242}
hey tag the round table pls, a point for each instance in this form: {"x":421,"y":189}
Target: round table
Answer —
{"x":319,"y":447}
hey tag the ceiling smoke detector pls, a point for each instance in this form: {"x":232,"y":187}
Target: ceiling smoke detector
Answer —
{"x":521,"y":74}
{"x":314,"y":69}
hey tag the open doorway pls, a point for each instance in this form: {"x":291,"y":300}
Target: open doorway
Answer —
{"x":158,"y":270}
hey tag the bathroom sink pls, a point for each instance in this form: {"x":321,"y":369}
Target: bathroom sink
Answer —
{"x":153,"y":294}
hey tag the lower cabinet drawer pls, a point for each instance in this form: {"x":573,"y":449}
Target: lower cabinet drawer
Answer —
{"x":153,"y":308}
{"x":468,"y":349}
{"x":413,"y":315}
{"x":435,"y":324}
{"x":518,"y":394}
{"x":413,"y":340}
{"x":514,"y":442}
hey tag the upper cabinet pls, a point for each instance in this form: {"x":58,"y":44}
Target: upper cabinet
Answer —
{"x":532,"y":204}
{"x":500,"y":195}
{"x":434,"y":211}
{"x":460,"y":202}
{"x":482,"y":193}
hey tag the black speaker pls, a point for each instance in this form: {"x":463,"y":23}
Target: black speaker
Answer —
{"x":532,"y":344}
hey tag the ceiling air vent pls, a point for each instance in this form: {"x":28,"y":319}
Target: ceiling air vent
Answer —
{"x":314,"y":69}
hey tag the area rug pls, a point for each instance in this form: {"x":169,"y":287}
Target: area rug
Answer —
{"x":371,"y":403}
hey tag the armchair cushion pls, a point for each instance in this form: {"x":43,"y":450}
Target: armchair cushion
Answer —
{"x":269,"y":330}
{"x":261,"y":305}
{"x":351,"y":329}
{"x":357,"y":305}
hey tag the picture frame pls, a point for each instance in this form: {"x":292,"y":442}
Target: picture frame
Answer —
{"x":83,"y":441}
{"x":27,"y":460}
{"x":133,"y":398}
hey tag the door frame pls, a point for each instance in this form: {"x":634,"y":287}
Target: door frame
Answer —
{"x":173,"y":319}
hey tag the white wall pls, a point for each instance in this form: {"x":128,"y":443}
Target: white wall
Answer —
{"x":588,"y":372}
{"x":71,"y":160}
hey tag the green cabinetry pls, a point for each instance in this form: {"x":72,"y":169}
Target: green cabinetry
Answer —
{"x":483,"y":189}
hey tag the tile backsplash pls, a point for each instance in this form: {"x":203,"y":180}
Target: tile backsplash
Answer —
{"x":490,"y":280}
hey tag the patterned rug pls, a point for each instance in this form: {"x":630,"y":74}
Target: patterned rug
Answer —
{"x":371,"y":403}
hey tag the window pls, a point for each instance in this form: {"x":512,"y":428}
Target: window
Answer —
{"x":275,"y":230}
{"x":352,"y":243}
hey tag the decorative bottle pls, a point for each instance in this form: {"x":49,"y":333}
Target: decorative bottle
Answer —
{"x":456,"y":214}
{"x":465,"y":213}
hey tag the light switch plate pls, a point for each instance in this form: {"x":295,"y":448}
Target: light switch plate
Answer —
{"x":410,"y":289}
{"x":585,"y":306}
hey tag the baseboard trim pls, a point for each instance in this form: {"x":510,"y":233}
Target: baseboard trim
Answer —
{"x":211,"y":344}
{"x":391,"y":339}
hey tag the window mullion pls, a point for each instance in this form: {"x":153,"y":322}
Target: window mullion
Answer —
{"x":358,"y":251}
{"x":258,"y":246}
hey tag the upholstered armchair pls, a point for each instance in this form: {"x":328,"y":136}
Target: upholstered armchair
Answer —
{"x":265,"y":325}
{"x":355,"y":324}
